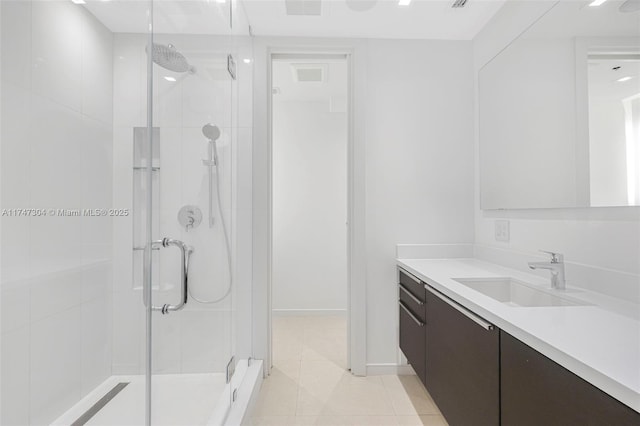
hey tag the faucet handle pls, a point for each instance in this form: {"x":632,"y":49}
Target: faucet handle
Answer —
{"x":555,"y":257}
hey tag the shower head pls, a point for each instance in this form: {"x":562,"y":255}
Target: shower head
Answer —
{"x":211,"y":132}
{"x":169,"y":58}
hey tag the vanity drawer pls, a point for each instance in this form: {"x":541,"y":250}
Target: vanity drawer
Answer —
{"x":412,"y":340}
{"x":412,"y":303}
{"x":413,"y":285}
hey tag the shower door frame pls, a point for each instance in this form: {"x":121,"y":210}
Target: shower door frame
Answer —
{"x":147,"y":288}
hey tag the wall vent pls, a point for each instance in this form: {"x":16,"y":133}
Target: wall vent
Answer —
{"x":459,"y":3}
{"x":309,"y":73}
{"x":303,"y":7}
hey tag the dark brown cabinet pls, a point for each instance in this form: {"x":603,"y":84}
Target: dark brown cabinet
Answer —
{"x":411,"y":298}
{"x":480,"y":375}
{"x":462,"y":363}
{"x":538,"y":391}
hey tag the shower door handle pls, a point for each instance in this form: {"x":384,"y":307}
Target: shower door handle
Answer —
{"x":185,"y":252}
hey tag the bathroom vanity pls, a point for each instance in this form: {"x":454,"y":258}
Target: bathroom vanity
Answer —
{"x":494,"y":346}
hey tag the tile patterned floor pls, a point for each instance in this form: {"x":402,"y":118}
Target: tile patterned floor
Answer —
{"x":309,"y":384}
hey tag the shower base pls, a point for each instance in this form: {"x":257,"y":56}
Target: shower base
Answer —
{"x":178,"y":399}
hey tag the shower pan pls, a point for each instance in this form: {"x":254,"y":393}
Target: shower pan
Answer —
{"x":125,"y":315}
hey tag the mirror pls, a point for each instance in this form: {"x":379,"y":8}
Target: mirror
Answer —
{"x":559,"y":111}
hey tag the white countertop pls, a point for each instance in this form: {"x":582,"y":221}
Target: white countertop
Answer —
{"x":598,"y":344}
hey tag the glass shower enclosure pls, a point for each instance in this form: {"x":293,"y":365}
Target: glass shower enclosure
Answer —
{"x":119,"y":131}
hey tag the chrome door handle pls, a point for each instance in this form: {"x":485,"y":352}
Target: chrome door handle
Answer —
{"x":185,"y":251}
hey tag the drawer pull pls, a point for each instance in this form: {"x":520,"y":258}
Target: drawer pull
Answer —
{"x":413,"y":317}
{"x":411,"y":277}
{"x":415,"y":299}
{"x":473,"y":317}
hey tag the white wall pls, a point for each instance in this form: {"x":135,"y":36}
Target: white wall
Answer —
{"x":419,"y":185}
{"x":604,"y":238}
{"x":57,"y":153}
{"x":309,"y":206}
{"x":413,"y":136}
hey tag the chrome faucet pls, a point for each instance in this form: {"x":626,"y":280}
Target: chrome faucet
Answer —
{"x":555,"y":266}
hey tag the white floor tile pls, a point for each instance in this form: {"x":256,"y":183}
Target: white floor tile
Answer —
{"x":309,"y":383}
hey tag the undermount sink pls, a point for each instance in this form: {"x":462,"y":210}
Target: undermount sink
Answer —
{"x":515,"y":293}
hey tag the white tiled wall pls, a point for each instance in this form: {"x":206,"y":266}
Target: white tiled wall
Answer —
{"x":56,"y":153}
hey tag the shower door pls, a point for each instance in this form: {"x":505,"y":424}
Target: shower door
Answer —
{"x":187,"y":272}
{"x":116,"y":167}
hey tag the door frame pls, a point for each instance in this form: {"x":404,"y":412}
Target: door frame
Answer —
{"x":356,"y":272}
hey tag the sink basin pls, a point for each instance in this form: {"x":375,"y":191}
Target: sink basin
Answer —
{"x":515,"y":293}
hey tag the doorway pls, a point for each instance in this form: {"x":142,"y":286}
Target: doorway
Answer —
{"x":310,"y":122}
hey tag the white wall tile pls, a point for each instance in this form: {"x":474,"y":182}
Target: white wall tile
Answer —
{"x":207,"y":96}
{"x":166,"y":338}
{"x":54,"y":369}
{"x":205,"y":341}
{"x":15,"y":377}
{"x":16,"y":146}
{"x":97,"y":69}
{"x":16,"y":43}
{"x":55,"y":292}
{"x":129,"y":75}
{"x":15,"y":307}
{"x":167,"y":98}
{"x":57,"y":142}
{"x":57,"y":33}
{"x":128,"y":332}
{"x":96,"y":327}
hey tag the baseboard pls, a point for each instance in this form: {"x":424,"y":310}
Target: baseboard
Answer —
{"x":307,"y":312}
{"x":389,"y":369}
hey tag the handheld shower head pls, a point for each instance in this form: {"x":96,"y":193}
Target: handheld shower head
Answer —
{"x":211,"y":132}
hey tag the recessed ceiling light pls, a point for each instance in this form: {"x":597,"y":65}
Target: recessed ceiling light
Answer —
{"x":404,"y":2}
{"x":246,"y":60}
{"x":623,"y":79}
{"x":596,"y":3}
{"x":168,"y":78}
{"x":78,"y":2}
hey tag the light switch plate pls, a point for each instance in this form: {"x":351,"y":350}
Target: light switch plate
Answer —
{"x":502,"y":230}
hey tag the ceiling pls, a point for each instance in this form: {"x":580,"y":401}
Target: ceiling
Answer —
{"x":578,"y":19}
{"x":169,"y":16}
{"x":422,"y":19}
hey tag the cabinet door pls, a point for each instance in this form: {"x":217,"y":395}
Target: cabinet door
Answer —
{"x":462,"y":364}
{"x":538,"y":391}
{"x":412,"y":340}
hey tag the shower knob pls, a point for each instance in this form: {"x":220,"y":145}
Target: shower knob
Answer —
{"x":190,"y":217}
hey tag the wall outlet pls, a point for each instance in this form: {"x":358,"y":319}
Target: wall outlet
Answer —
{"x":502,"y":230}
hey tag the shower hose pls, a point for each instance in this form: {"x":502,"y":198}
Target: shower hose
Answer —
{"x":226,"y":240}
